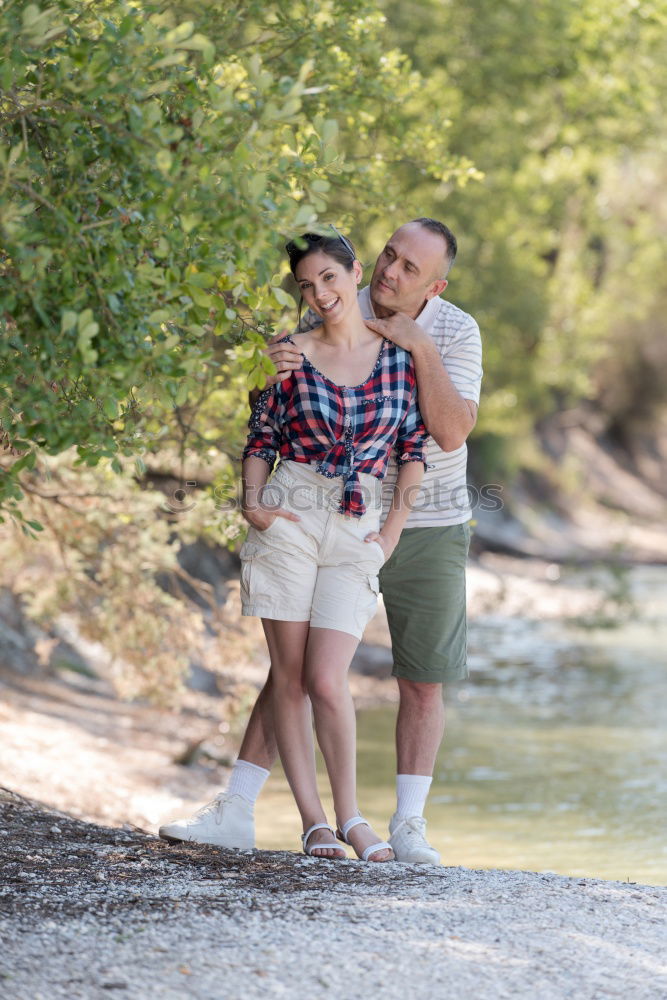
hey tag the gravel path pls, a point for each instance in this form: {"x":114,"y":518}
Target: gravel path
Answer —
{"x":90,"y":911}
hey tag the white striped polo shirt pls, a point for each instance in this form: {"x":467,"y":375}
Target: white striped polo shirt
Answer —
{"x":444,"y":495}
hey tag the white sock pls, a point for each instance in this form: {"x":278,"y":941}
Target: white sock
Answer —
{"x":411,"y":793}
{"x":247,"y":780}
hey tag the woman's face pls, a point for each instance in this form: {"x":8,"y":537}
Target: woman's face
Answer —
{"x":327,"y":286}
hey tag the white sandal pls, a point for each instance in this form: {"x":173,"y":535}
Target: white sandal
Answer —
{"x":368,"y":852}
{"x":320,"y":847}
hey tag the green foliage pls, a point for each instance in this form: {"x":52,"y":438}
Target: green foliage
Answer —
{"x":558,"y":103}
{"x":152,"y":163}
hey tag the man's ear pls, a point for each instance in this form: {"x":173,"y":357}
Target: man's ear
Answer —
{"x":437,"y":288}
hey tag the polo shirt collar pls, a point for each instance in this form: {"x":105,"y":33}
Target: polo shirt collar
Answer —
{"x":365,"y":303}
{"x":425,"y":318}
{"x":429,"y":313}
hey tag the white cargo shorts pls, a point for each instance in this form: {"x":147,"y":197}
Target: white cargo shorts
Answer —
{"x":318,"y":569}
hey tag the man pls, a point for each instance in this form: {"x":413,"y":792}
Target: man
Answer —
{"x":423,"y":582}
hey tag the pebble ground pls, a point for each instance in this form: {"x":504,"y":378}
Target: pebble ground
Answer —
{"x":92,"y":912}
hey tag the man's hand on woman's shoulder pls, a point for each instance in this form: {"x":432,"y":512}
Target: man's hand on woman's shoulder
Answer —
{"x":400,"y":328}
{"x":285,"y":357}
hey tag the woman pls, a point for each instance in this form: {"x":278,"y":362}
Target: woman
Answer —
{"x":314,"y":548}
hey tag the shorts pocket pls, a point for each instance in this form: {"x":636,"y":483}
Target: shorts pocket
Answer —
{"x":383,"y":557}
{"x":245,"y":580}
{"x":263,"y":531}
{"x":248,"y":554}
{"x":367,"y":602}
{"x":250,"y":548}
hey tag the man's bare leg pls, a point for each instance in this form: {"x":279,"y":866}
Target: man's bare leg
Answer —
{"x":259,"y":745}
{"x":228,"y":821}
{"x":419,"y":730}
{"x":420,"y":726}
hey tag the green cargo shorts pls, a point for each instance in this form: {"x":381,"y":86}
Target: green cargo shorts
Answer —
{"x":423,"y":585}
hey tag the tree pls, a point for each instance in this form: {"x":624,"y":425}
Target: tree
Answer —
{"x":153,"y":162}
{"x":556,"y":102}
{"x":152,"y":166}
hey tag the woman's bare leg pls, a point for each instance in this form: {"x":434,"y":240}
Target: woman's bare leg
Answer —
{"x":293,"y":723}
{"x":329,"y":653}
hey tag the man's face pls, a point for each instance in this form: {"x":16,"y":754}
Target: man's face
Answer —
{"x":409,"y":271}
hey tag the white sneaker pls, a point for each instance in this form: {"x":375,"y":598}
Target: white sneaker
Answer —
{"x":227,"y":821}
{"x":409,"y":843}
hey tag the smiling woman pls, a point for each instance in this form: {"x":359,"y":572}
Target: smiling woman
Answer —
{"x":335,"y":254}
{"x":312,"y":556}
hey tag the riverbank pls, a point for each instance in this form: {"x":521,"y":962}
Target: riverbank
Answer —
{"x":68,"y":740}
{"x":89,"y":911}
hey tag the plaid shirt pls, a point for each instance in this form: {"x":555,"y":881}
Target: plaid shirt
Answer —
{"x":345,"y":430}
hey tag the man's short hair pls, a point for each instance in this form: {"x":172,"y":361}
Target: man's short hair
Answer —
{"x":445,"y":232}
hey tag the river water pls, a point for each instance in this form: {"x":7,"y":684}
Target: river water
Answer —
{"x":555,"y":755}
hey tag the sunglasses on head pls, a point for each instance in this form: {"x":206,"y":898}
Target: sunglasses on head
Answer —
{"x":312,"y":239}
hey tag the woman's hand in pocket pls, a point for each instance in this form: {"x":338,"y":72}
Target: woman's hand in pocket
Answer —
{"x":262,"y":517}
{"x":386,"y":541}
